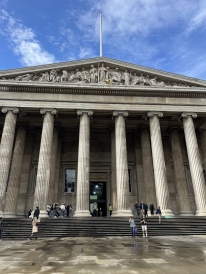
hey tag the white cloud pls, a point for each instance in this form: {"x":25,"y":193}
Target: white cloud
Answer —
{"x":23,"y":42}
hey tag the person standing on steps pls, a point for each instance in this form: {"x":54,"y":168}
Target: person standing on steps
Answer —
{"x":136,"y":206}
{"x":145,"y":209}
{"x":36,"y":213}
{"x":151,"y":208}
{"x":110,"y":210}
{"x":132,"y":226}
{"x":1,"y":228}
{"x":95,"y":209}
{"x":144,"y":225}
{"x":159,"y":214}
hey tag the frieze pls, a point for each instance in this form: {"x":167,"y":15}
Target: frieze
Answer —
{"x":97,"y":75}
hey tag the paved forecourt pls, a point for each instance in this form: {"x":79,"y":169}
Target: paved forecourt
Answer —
{"x":160,"y":255}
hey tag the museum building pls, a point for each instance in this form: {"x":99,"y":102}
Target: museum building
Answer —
{"x":101,"y":130}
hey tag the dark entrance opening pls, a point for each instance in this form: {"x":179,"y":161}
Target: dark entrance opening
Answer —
{"x":98,"y":195}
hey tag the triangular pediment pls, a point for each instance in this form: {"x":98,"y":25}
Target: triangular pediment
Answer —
{"x":99,"y":71}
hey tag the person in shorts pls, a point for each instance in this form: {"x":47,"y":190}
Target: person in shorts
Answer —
{"x":144,"y":226}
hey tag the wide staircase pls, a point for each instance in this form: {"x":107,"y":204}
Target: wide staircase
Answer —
{"x":103,"y":227}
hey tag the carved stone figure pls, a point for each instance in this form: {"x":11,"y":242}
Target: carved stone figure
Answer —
{"x":53,"y":75}
{"x":141,"y":80}
{"x":83,"y":76}
{"x":116,"y":76}
{"x":78,"y":75}
{"x":93,"y":74}
{"x":25,"y":77}
{"x":44,"y":77}
{"x":126,"y":77}
{"x":135,"y":79}
{"x":64,"y":77}
{"x":102,"y":73}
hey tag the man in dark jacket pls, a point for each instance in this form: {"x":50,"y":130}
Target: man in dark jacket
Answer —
{"x":151,"y":208}
{"x":136,"y":205}
{"x":36,"y":212}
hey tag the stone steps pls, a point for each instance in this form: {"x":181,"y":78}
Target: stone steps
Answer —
{"x":103,"y":227}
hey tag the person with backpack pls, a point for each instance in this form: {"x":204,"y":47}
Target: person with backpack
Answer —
{"x":132,"y":226}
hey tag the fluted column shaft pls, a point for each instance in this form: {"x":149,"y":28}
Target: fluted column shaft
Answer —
{"x":6,"y":147}
{"x":43,"y":170}
{"x":179,"y":172}
{"x":113,"y":174}
{"x":121,"y":165}
{"x":51,"y":199}
{"x":195,"y":163}
{"x":162,"y":191}
{"x":10,"y":209}
{"x":150,"y":192}
{"x":83,"y":181}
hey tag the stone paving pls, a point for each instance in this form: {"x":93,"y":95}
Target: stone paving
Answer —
{"x":162,"y":255}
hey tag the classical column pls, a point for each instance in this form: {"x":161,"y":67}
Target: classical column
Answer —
{"x":121,"y":165}
{"x":10,"y":209}
{"x":44,"y":171}
{"x":162,"y":191}
{"x":51,"y":199}
{"x":6,"y":147}
{"x":149,"y":182}
{"x":83,"y":181}
{"x":203,"y":145}
{"x":113,"y":174}
{"x":196,"y":170}
{"x":179,"y":172}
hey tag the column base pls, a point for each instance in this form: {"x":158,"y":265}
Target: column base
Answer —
{"x":10,"y":215}
{"x":82,"y":213}
{"x":185,"y":214}
{"x":1,"y":214}
{"x":123,"y":213}
{"x":200,"y":213}
{"x":113,"y":214}
{"x":167,"y":213}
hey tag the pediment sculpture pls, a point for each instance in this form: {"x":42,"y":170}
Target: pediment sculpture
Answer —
{"x":97,"y":75}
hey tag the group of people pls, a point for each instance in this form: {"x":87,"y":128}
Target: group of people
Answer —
{"x":142,"y":208}
{"x":56,"y":210}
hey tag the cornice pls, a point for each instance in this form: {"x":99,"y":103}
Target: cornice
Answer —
{"x":97,"y":89}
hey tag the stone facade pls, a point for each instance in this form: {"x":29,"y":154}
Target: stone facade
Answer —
{"x":111,"y":132}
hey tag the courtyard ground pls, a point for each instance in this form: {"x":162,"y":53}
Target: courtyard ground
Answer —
{"x":162,"y":255}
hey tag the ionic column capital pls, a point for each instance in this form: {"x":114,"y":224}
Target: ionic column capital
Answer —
{"x":14,"y":110}
{"x":150,"y":114}
{"x":185,"y":115}
{"x":81,"y":111}
{"x":124,"y":113}
{"x":53,"y":111}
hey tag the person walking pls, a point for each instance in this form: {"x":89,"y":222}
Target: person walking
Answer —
{"x":137,"y":207}
{"x":132,"y":226}
{"x":144,"y":225}
{"x":159,"y":214}
{"x":34,"y":228}
{"x":151,"y":208}
{"x":110,"y":210}
{"x":1,"y":228}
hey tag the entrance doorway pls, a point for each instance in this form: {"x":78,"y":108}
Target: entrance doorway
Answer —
{"x":98,"y":195}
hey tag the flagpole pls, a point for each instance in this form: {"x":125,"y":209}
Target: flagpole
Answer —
{"x":100,"y":34}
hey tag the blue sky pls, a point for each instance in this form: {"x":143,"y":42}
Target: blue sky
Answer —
{"x":163,"y":34}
